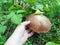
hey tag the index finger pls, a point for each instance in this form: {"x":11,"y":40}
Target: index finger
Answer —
{"x":25,"y":23}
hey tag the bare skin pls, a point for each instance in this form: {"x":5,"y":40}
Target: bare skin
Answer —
{"x":20,"y":35}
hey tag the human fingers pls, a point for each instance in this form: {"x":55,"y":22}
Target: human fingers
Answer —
{"x":25,"y":23}
{"x":30,"y":34}
{"x":22,"y":25}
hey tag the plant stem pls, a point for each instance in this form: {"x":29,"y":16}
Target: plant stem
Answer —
{"x":16,"y":1}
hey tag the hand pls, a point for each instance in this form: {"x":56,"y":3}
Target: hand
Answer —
{"x":20,"y":35}
{"x":24,"y":32}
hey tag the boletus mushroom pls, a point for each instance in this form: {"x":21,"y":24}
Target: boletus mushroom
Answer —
{"x":39,"y":23}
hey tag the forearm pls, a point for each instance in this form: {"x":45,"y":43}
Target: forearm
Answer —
{"x":15,"y":38}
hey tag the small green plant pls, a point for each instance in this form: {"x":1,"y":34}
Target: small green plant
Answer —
{"x":12,"y":14}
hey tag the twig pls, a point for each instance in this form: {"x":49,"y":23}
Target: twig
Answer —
{"x":16,"y":1}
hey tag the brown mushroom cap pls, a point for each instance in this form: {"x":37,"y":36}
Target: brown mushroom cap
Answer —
{"x":39,"y":23}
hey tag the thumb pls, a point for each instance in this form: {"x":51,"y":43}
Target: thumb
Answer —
{"x":30,"y":34}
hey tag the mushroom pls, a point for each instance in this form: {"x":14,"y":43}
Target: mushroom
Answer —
{"x":39,"y":23}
